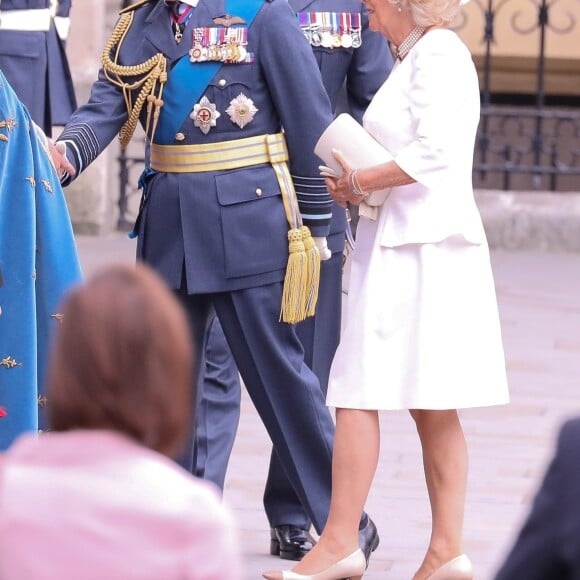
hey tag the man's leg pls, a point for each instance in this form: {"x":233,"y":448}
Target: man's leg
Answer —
{"x":284,"y":390}
{"x":218,"y":412}
{"x":197,"y":308}
{"x":319,"y":336}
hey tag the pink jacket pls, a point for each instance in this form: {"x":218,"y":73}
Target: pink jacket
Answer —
{"x":94,"y":505}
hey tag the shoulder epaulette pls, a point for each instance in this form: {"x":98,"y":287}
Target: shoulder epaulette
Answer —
{"x":135,"y":5}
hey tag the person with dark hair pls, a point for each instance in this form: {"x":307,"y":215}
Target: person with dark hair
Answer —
{"x":548,"y":545}
{"x":99,"y":497}
{"x":38,"y":263}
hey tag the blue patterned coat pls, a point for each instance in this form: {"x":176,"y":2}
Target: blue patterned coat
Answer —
{"x":38,"y":263}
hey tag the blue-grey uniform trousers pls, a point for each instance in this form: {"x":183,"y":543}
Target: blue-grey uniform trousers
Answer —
{"x":285,"y":392}
{"x":219,"y":411}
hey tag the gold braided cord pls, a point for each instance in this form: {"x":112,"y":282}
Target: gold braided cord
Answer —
{"x":151,"y":77}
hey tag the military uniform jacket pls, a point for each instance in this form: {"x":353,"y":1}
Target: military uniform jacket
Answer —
{"x":228,"y":227}
{"x":35,"y":64}
{"x":361,"y":70}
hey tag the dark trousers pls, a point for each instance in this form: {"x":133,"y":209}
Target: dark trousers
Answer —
{"x":219,"y":385}
{"x":285,"y":392}
{"x":319,"y":336}
{"x":219,"y":407}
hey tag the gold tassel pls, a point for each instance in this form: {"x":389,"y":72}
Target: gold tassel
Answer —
{"x":294,"y":294}
{"x":312,"y":271}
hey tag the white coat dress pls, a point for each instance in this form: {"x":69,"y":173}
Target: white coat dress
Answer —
{"x":422,"y":329}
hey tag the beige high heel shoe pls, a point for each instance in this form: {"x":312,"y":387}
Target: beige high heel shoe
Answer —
{"x":352,"y":567}
{"x":459,"y":568}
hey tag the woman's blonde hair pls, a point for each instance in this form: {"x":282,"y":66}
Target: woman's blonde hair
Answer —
{"x":430,"y":12}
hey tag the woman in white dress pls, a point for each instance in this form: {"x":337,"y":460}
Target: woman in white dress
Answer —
{"x":422,"y":329}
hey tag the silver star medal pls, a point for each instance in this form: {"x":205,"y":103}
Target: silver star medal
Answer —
{"x":241,"y":110}
{"x":204,"y":115}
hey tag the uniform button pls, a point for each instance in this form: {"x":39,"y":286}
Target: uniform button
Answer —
{"x":180,"y":137}
{"x":258,"y":192}
{"x":222,"y":82}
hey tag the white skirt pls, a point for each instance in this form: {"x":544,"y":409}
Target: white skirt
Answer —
{"x":421,"y":328}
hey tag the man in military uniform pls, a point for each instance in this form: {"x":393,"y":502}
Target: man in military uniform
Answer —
{"x":32,"y":56}
{"x":229,"y":201}
{"x":354,"y":62}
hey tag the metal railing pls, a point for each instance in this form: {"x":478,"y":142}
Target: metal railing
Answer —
{"x":531,"y":147}
{"x":537,"y":145}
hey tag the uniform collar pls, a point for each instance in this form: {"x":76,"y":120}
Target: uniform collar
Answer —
{"x":298,"y":5}
{"x":159,"y":33}
{"x":192,"y":3}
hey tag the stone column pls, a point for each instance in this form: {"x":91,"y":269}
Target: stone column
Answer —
{"x":92,"y":197}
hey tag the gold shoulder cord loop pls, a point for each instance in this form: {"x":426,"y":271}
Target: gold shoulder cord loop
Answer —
{"x":152,"y":77}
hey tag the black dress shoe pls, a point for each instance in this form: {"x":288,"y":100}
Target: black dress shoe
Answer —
{"x":290,"y":542}
{"x":368,"y":536}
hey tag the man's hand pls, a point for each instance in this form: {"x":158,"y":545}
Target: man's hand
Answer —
{"x":59,"y":159}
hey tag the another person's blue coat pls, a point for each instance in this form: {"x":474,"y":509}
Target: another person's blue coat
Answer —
{"x":38,"y":262}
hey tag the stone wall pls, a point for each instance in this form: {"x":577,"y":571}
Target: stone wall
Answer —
{"x":517,"y":220}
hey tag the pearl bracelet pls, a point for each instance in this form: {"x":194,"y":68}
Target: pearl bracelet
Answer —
{"x":355,"y":186}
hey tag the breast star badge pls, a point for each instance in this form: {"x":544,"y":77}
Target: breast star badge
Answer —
{"x":204,"y":115}
{"x":241,"y":110}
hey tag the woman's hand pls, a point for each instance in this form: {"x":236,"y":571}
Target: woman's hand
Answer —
{"x":338,"y":186}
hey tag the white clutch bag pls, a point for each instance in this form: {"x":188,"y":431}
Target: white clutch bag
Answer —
{"x":360,"y":149}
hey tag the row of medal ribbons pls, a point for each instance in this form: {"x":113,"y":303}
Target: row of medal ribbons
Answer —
{"x":220,"y":44}
{"x":331,"y":29}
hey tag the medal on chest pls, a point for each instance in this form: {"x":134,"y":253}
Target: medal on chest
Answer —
{"x":204,"y":115}
{"x":241,"y":110}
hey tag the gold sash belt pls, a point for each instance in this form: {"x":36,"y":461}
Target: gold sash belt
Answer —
{"x":303,"y":270}
{"x":219,"y":156}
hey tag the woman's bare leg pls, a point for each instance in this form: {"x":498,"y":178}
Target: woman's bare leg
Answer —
{"x":354,"y":462}
{"x":445,"y":464}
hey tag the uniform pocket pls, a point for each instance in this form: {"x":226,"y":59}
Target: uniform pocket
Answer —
{"x":254,"y":225}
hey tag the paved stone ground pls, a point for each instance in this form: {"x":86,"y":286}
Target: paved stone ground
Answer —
{"x":539,"y":299}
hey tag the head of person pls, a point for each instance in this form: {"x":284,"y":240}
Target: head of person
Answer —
{"x":122,"y":360}
{"x":396,"y":18}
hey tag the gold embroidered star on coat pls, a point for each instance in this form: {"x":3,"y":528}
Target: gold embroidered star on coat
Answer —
{"x":9,"y":363}
{"x":47,"y":185}
{"x":9,"y":124}
{"x":31,"y":180}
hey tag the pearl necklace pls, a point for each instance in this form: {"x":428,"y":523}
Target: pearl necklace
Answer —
{"x":409,"y":42}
